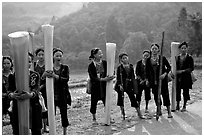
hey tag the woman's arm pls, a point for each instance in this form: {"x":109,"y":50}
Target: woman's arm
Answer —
{"x":190,"y":65}
{"x":64,"y":76}
{"x":92,"y":73}
{"x":138,"y":72}
{"x":167,"y":65}
{"x":119,"y":75}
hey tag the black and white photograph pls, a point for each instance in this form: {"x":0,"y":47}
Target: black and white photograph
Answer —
{"x":101,"y":68}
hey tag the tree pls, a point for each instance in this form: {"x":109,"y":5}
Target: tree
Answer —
{"x":113,"y":34}
{"x":85,"y":34}
{"x":184,"y":27}
{"x":134,"y":45}
{"x":190,"y":26}
{"x":5,"y":45}
{"x":182,"y":17}
{"x":196,"y":37}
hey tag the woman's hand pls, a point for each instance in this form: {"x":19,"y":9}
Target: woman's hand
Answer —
{"x":50,"y":74}
{"x":142,"y":82}
{"x":25,"y":95}
{"x":163,"y":76}
{"x":14,"y":95}
{"x":121,"y":88}
{"x":180,"y":71}
{"x":4,"y":95}
{"x":147,"y":83}
{"x":41,"y":86}
{"x":47,"y":74}
{"x":108,"y":78}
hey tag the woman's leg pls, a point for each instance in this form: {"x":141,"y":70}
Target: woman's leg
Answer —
{"x":139,"y":95}
{"x":36,"y":131}
{"x":178,"y":98}
{"x":45,"y":121}
{"x":155,"y":93}
{"x":93,"y":107}
{"x":134,"y":103}
{"x":186,"y":97}
{"x":147,"y":97}
{"x":166,"y":100}
{"x":64,"y":119}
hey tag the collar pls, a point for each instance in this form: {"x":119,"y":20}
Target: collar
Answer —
{"x":125,"y":65}
{"x":37,"y":63}
{"x":8,"y":73}
{"x":185,"y":55}
{"x":97,"y":63}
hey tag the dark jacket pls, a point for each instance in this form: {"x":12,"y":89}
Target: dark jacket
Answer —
{"x":127,"y":79}
{"x":184,"y":80}
{"x":98,"y":88}
{"x":35,"y":107}
{"x":140,"y":71}
{"x":61,"y":85}
{"x":151,"y":76}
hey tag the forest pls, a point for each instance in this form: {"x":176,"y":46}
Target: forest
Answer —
{"x":133,"y":26}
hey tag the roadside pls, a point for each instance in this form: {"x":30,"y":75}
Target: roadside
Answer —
{"x":182,"y":123}
{"x":81,"y":120}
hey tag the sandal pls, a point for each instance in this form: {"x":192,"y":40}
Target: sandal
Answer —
{"x":178,"y":108}
{"x":146,"y":111}
{"x":183,"y":109}
{"x":142,"y":117}
{"x":46,"y":130}
{"x":170,"y":116}
{"x":123,"y":117}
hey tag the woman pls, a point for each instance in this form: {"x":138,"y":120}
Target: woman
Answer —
{"x":62,"y":96}
{"x":39,"y":67}
{"x":97,"y":70}
{"x":152,"y":74}
{"x":125,"y":77}
{"x":184,"y":66}
{"x":7,"y":70}
{"x":141,"y":79}
{"x":35,"y":107}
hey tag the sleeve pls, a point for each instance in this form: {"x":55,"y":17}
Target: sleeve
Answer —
{"x":190,"y":65}
{"x":35,"y":85}
{"x":177,"y":62}
{"x":137,"y":71}
{"x":147,"y":69}
{"x":167,"y":65}
{"x":132,"y":71}
{"x":12,"y":83}
{"x":64,"y":75}
{"x":118,"y":77}
{"x":91,"y":73}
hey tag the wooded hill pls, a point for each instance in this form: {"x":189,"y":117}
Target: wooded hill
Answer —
{"x":133,"y":26}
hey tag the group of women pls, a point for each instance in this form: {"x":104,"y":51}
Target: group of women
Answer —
{"x":38,"y":118}
{"x":147,"y":76}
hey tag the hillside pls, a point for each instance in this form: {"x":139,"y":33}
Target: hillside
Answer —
{"x":23,"y":15}
{"x":133,"y":26}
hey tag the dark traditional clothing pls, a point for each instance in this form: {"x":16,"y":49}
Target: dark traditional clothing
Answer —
{"x":62,"y":95}
{"x":41,"y":70}
{"x":125,"y":76}
{"x":98,"y":88}
{"x":141,"y":76}
{"x":152,"y":74}
{"x":5,"y":99}
{"x":35,"y":107}
{"x":184,"y":80}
